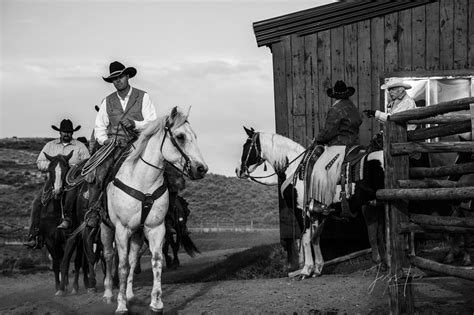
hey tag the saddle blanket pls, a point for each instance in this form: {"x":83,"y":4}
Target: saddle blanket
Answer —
{"x":326,"y":173}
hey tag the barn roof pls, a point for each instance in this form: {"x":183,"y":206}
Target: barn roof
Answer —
{"x":326,"y":17}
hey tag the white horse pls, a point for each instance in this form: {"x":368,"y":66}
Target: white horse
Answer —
{"x":285,"y":155}
{"x":139,"y":185}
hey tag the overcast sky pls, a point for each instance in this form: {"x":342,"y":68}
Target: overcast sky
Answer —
{"x":201,"y":54}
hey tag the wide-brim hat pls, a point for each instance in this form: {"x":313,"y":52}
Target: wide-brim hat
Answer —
{"x":395,"y":82}
{"x":340,"y":90}
{"x":66,"y":126}
{"x":116,"y":69}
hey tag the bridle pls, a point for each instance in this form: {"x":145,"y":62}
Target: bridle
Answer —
{"x":168,"y":126}
{"x":48,"y":189}
{"x":260,"y":161}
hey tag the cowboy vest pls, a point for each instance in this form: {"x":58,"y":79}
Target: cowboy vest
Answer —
{"x":133,"y":111}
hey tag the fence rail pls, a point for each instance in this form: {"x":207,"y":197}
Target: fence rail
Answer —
{"x":400,"y":186}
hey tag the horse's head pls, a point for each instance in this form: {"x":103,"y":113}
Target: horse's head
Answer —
{"x":251,"y":154}
{"x":57,"y":170}
{"x":180,"y":147}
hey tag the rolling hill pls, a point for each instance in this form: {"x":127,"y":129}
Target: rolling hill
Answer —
{"x":214,"y":200}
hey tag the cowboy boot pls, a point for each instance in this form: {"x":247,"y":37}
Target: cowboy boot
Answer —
{"x":65,"y":224}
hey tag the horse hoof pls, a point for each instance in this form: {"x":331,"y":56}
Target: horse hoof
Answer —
{"x":60,"y":293}
{"x":125,"y":311}
{"x":108,"y":300}
{"x":156,"y":311}
{"x":91,"y":290}
{"x":74,"y":291}
{"x":302,"y":277}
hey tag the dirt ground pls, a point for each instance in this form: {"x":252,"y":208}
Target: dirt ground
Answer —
{"x":359,"y":292}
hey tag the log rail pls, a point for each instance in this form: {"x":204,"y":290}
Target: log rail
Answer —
{"x":403,"y":184}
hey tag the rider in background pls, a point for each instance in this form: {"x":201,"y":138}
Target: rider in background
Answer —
{"x":64,"y":145}
{"x":127,"y":108}
{"x":400,"y":101}
{"x":342,"y":120}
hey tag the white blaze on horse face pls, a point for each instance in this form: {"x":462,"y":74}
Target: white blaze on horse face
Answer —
{"x":58,"y":182}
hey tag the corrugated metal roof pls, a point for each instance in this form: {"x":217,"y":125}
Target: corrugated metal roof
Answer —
{"x":326,"y":17}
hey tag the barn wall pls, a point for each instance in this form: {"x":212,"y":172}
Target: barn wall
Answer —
{"x":435,"y":37}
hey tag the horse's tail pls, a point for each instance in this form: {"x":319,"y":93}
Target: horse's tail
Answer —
{"x":189,"y":245}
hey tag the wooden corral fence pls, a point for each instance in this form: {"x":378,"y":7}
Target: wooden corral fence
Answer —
{"x":403,"y":184}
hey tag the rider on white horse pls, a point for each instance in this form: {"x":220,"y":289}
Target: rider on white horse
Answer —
{"x":340,"y":133}
{"x":127,"y":109}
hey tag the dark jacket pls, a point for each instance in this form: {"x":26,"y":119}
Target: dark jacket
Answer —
{"x":342,"y":125}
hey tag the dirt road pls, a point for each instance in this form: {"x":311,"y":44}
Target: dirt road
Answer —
{"x":355,"y":293}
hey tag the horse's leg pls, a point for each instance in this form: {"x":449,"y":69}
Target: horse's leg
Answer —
{"x":71,"y":244}
{"x":122,"y":237}
{"x":155,"y":237}
{"x":136,"y":241}
{"x":107,"y":238}
{"x":168,"y":237}
{"x":308,"y":267}
{"x":89,"y":236}
{"x":175,"y":247}
{"x":371,"y":220}
{"x":77,"y":266}
{"x":318,"y":257}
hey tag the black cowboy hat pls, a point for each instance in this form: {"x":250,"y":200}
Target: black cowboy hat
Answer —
{"x":66,"y":126}
{"x":117,"y":69}
{"x":340,"y":90}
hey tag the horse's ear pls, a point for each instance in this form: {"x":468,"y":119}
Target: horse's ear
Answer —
{"x":171,"y":117}
{"x":67,"y":157}
{"x":49,"y":157}
{"x":187,"y":112}
{"x":249,"y":132}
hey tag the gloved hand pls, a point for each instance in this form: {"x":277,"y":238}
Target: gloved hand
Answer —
{"x":128,"y":123}
{"x":369,"y":113}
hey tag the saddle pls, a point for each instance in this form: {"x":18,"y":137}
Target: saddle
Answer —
{"x":351,"y":171}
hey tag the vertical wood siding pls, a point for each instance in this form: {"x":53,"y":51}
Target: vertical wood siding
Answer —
{"x":436,"y":36}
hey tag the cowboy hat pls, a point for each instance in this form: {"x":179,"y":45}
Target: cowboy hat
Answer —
{"x":116,"y":69}
{"x":395,"y":82}
{"x":340,"y":90}
{"x":66,"y":126}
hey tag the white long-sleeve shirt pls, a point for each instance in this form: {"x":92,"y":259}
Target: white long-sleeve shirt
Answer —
{"x":56,"y":147}
{"x":102,"y":119}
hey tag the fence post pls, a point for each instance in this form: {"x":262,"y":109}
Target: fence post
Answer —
{"x":396,"y":168}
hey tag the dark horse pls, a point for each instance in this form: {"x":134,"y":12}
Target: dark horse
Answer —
{"x":81,"y":242}
{"x":177,"y":232}
{"x":285,"y":156}
{"x":51,"y":210}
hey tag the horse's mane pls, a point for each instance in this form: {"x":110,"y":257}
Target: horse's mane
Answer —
{"x":152,"y":128}
{"x":279,"y":147}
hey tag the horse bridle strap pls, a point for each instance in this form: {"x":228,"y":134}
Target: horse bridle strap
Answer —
{"x":146,"y":199}
{"x":186,"y":158}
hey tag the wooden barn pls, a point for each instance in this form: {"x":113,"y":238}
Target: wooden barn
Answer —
{"x":429,"y":43}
